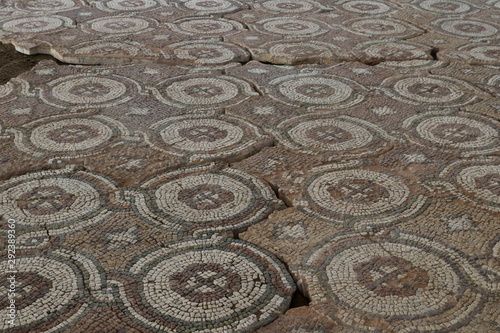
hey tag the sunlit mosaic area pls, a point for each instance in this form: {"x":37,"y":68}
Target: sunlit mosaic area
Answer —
{"x":268,"y":166}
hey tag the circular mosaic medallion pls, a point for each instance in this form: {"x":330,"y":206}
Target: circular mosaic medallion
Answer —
{"x":482,"y":181}
{"x":383,"y":27}
{"x":457,"y":132}
{"x":55,"y":202}
{"x":33,"y":25}
{"x":196,"y":138}
{"x":89,"y":91}
{"x":70,"y":135}
{"x":302,"y":50}
{"x":291,"y":27}
{"x":204,"y":91}
{"x":50,"y":201}
{"x":204,"y":198}
{"x":207,"y":26}
{"x":201,"y":134}
{"x":366,"y":7}
{"x":45,"y":289}
{"x":434,"y":90}
{"x":466,"y":28}
{"x":119,"y":25}
{"x":394,"y":51}
{"x":357,"y":192}
{"x":130,"y":5}
{"x":210,"y":6}
{"x":324,"y":135}
{"x":317,"y":91}
{"x":47,"y":5}
{"x":487,"y":53}
{"x":213,"y":285}
{"x":207,"y":201}
{"x":415,"y":278}
{"x":403,"y":283}
{"x":206,"y":53}
{"x":445,"y":6}
{"x":287,"y":6}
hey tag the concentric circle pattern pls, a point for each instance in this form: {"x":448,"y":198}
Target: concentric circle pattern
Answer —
{"x":203,"y":138}
{"x":467,"y":28}
{"x":437,"y":90}
{"x":400,"y":282}
{"x":204,"y":202}
{"x":58,"y":202}
{"x":469,"y":133}
{"x":88,"y":91}
{"x":70,"y":135}
{"x":204,"y":91}
{"x":333,"y":136}
{"x":47,"y":6}
{"x":218,"y":283}
{"x":360,"y":198}
{"x":316,"y":91}
{"x":126,"y":25}
{"x":32,"y":24}
{"x":41,"y":282}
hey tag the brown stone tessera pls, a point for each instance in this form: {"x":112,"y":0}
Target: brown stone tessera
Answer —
{"x":240,"y":166}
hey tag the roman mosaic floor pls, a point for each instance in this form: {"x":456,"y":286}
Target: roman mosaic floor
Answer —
{"x":269,"y":166}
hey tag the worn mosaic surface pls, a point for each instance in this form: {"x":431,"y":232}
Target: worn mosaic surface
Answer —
{"x":270,"y":166}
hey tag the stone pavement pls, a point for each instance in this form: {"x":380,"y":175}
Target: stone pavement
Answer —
{"x":267,"y":166}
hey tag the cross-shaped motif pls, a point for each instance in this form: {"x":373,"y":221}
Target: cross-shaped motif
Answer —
{"x":391,"y":276}
{"x":108,"y":49}
{"x":205,"y":282}
{"x":46,"y":4}
{"x":32,"y":25}
{"x":315,"y":90}
{"x":132,"y":3}
{"x":378,"y":27}
{"x":206,"y":53}
{"x":300,"y":50}
{"x":429,"y":89}
{"x":208,"y":197}
{"x":73,"y":134}
{"x":470,"y":27}
{"x":457,"y":132}
{"x":358,"y":191}
{"x":289,"y":5}
{"x":330,"y":134}
{"x":395,"y":53}
{"x":44,"y":200}
{"x":119,"y":25}
{"x":90,"y":90}
{"x":203,"y":133}
{"x":206,"y":26}
{"x":365,"y":7}
{"x":208,"y":4}
{"x":292,"y":26}
{"x":203,"y":91}
{"x":445,"y":6}
{"x":205,"y":197}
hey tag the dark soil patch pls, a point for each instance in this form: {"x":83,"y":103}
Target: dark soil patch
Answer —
{"x":13,"y":63}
